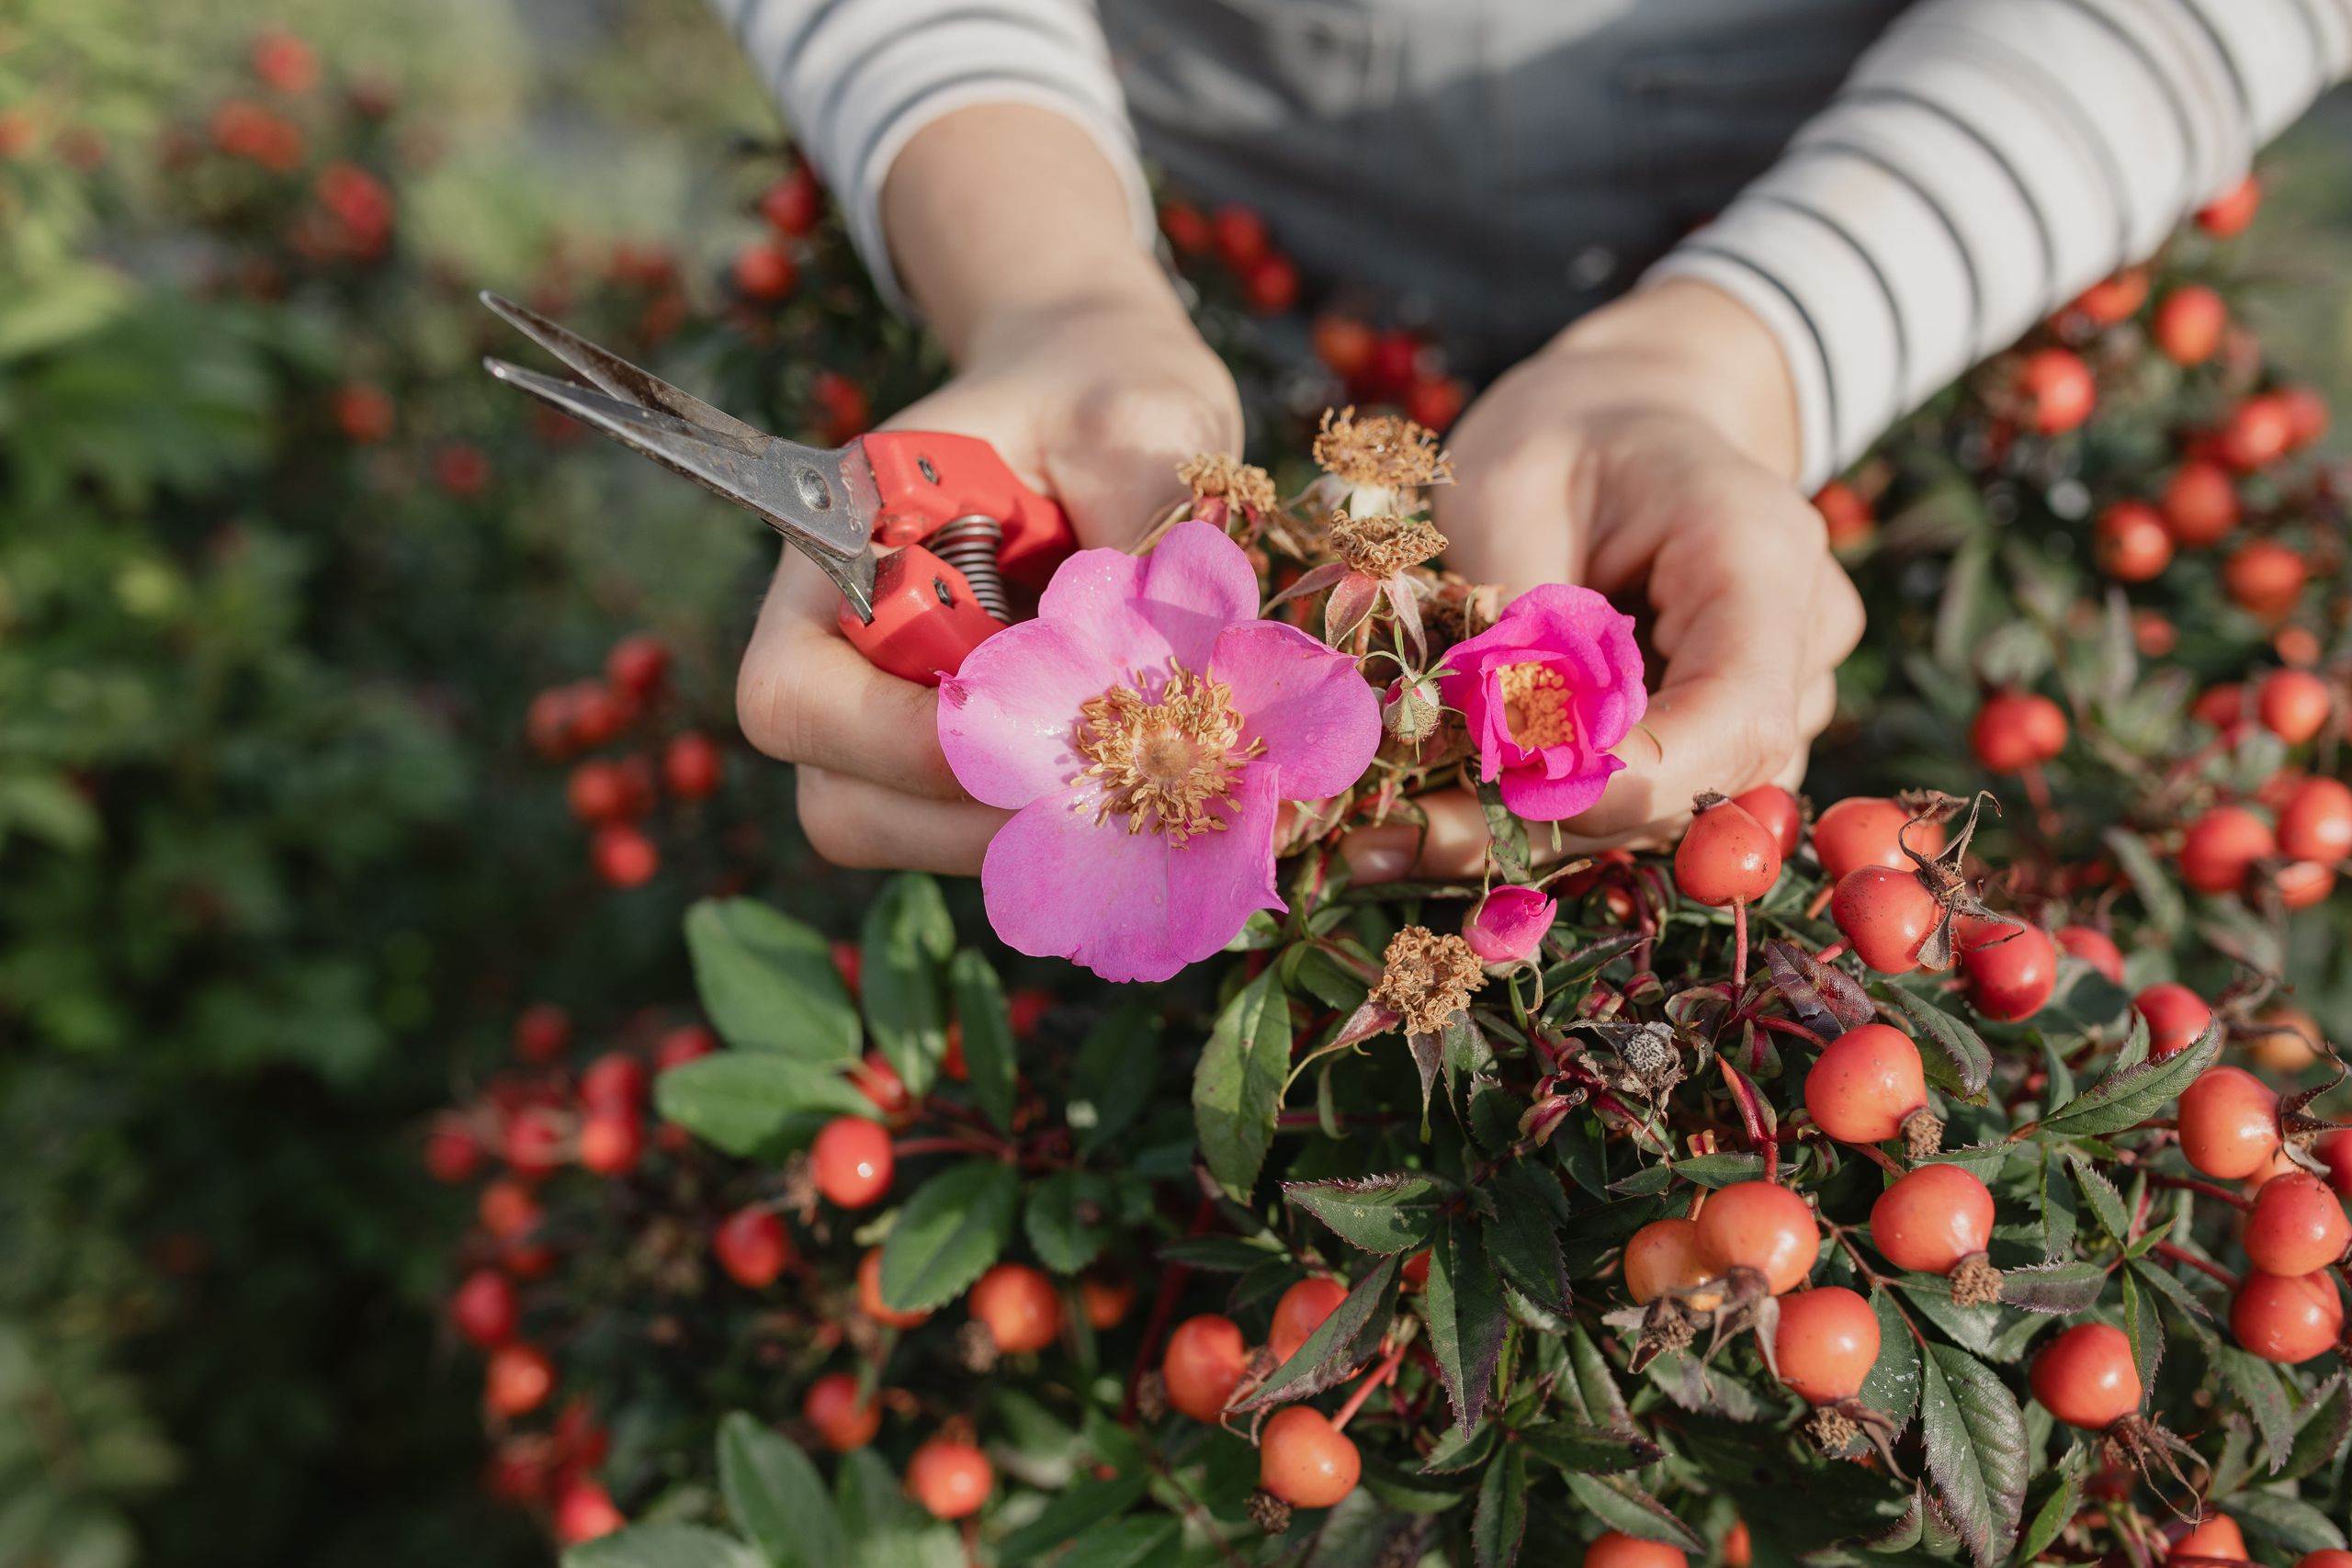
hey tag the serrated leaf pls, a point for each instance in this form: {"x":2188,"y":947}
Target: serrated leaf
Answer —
{"x":1892,"y":1384}
{"x":775,"y":1496}
{"x":1523,"y":1242}
{"x":1593,"y":1389}
{"x":1457,"y":1450}
{"x":1378,"y":1213}
{"x":1499,"y":1521}
{"x":1340,"y":1344}
{"x":767,"y":983}
{"x":947,"y":1235}
{"x":1068,"y":1218}
{"x":1975,"y":1445}
{"x":1575,"y":1446}
{"x":661,"y":1546}
{"x":2099,"y":1196}
{"x":1710,"y":1171}
{"x":1960,"y":1048}
{"x":985,"y":1028}
{"x":737,"y":1100}
{"x":1237,"y":1086}
{"x":1224,"y":1254}
{"x":2130,"y":1096}
{"x":2284,"y":1521}
{"x":1123,"y":1543}
{"x":2320,"y":1427}
{"x":1117,"y":1069}
{"x":2256,"y":1381}
{"x":1620,"y":1504}
{"x":2143,"y":1327}
{"x":903,"y":962}
{"x":1463,"y":1308}
{"x":2055,"y":1288}
{"x":1073,"y":1513}
{"x":2166,"y":911}
{"x":2057,"y":1506}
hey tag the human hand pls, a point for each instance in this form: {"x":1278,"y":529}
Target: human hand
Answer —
{"x":1092,"y":385}
{"x":1646,"y":452}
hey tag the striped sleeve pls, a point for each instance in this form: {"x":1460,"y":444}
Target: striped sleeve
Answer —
{"x":1987,"y":161}
{"x":858,"y":78}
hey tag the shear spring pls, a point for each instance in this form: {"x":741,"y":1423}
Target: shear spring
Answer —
{"x":969,"y":545}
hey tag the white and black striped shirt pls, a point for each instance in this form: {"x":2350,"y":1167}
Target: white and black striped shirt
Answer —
{"x":1984,"y":160}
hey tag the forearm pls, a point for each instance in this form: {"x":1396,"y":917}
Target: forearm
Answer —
{"x":1000,"y":211}
{"x":1988,"y":160}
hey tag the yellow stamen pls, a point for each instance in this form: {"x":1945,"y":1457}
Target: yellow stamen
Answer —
{"x":1535,"y":707}
{"x":1164,"y":765}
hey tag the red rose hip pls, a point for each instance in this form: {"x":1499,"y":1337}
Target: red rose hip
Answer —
{"x":2229,"y":1123}
{"x":1933,"y":1219}
{"x":2287,"y":1318}
{"x":950,"y":1479}
{"x":1204,"y":1363}
{"x":853,"y":1160}
{"x":2297,"y":1225}
{"x":2085,"y":1377}
{"x":1726,"y":856}
{"x":1760,"y":1225}
{"x":1019,"y":1306}
{"x":1866,"y":1086}
{"x":1828,"y":1340}
{"x":1305,"y":1460}
{"x":1301,"y":1312}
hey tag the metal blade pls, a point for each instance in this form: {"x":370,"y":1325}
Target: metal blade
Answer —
{"x":614,"y":374}
{"x":824,"y":502}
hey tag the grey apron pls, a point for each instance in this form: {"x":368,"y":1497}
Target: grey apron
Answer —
{"x":1494,"y":167}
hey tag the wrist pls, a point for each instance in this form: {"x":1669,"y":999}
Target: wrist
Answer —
{"x":1001,"y":216}
{"x":1691,"y":347}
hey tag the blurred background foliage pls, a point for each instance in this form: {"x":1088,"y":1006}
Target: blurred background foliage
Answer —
{"x":275,"y":862}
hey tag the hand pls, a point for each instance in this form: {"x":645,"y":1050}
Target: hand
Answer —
{"x":1648,"y":452}
{"x":1088,"y":378}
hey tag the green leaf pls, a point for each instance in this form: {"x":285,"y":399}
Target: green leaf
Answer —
{"x":1073,"y":1513}
{"x":1124,"y":1544}
{"x":1464,"y":1307}
{"x":1456,"y":1451}
{"x":775,"y":1496}
{"x":885,"y":1525}
{"x":1117,"y":1069}
{"x":1499,"y":1521}
{"x":1521,"y":1238}
{"x":1069,"y":1219}
{"x":2142,"y":1327}
{"x":2059,"y":1288}
{"x":1706,"y":1170}
{"x":1892,"y":1385}
{"x":1236,"y":1088}
{"x":947,"y":1235}
{"x":1621,"y":1504}
{"x":2166,"y":911}
{"x":908,"y":940}
{"x":1379,"y":1213}
{"x":1573,"y":1446}
{"x":2130,"y":1096}
{"x":2285,"y":1522}
{"x":2099,"y":1196}
{"x":2059,"y":1501}
{"x":737,"y":1100}
{"x":1975,"y":1436}
{"x":1593,"y":1391}
{"x":1340,"y":1344}
{"x":2320,"y":1427}
{"x":661,"y":1546}
{"x":1959,"y":1048}
{"x":986,"y":1030}
{"x":2256,"y":1381}
{"x":768,"y":983}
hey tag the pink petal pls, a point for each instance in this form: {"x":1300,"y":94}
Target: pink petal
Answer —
{"x":1129,"y":907}
{"x":1319,"y":718}
{"x":1093,"y":597}
{"x":1528,"y":794}
{"x":1006,"y":718}
{"x":1196,"y":583}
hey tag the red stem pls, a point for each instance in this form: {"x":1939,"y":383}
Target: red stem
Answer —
{"x":2190,"y":1184}
{"x":1372,"y":1380}
{"x":2212,"y":1271}
{"x":1786,"y":1026}
{"x":1739,"y":945}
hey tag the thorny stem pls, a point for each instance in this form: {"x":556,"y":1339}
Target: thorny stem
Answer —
{"x":1372,"y":1380}
{"x":2212,"y":1271}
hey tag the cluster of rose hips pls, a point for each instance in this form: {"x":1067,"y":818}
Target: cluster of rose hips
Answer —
{"x":1236,"y":238}
{"x":612,"y":796}
{"x":1393,"y":367}
{"x":530,"y":1124}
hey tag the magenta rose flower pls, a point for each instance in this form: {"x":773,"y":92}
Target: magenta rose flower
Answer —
{"x":1507,"y":925}
{"x":1144,"y":730}
{"x":1547,"y":691}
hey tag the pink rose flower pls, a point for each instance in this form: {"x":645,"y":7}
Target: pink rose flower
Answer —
{"x":1145,"y":730}
{"x":1546,"y":691}
{"x":1507,"y":926}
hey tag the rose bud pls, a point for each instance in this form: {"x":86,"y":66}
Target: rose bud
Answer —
{"x":1507,"y":925}
{"x":1409,"y":710}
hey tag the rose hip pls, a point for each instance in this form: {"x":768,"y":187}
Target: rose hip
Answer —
{"x":1867,"y":1085}
{"x":949,"y":1478}
{"x":853,"y":1160}
{"x":1760,"y":1225}
{"x":1301,"y":1312}
{"x":1827,"y":1343}
{"x":2086,"y":1378}
{"x":2287,"y":1318}
{"x":2229,"y":1123}
{"x":1726,"y":856}
{"x":1019,"y":1307}
{"x":1933,"y":1219}
{"x":2095,"y":948}
{"x":1305,"y":1460}
{"x":1885,"y":916}
{"x":1205,"y":1361}
{"x":2297,"y":1225}
{"x":2011,"y":968}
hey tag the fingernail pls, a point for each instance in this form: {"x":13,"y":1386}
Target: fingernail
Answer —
{"x":1377,"y":862}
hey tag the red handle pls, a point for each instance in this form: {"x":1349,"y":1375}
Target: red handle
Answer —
{"x":927,"y":479}
{"x":926,"y":619}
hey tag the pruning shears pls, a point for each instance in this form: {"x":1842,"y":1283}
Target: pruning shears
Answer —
{"x":923,"y":533}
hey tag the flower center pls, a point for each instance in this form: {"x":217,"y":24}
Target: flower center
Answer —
{"x":1535,"y":707}
{"x":1164,"y":765}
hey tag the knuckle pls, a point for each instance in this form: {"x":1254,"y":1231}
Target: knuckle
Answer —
{"x":767,"y":706}
{"x":1152,"y":414}
{"x":831,"y":822}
